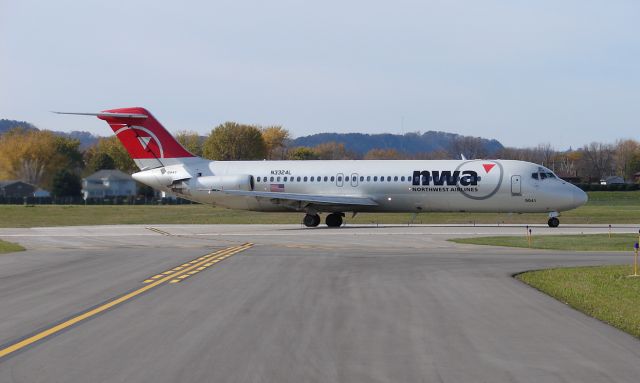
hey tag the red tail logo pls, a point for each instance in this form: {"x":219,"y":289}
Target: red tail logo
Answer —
{"x":142,"y":135}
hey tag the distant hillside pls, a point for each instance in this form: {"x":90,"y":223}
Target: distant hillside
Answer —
{"x":7,"y":125}
{"x":86,"y":139}
{"x":411,"y":143}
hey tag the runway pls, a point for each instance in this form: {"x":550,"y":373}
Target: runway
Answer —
{"x":357,"y":304}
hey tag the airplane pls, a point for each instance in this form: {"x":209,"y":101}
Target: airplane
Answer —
{"x":339,"y":186}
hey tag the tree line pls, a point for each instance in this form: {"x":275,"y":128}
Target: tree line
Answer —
{"x":57,"y":163}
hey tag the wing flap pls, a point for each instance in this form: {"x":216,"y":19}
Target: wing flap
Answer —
{"x":312,"y":198}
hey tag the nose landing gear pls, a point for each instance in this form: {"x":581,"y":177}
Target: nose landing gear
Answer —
{"x":553,"y":222}
{"x":553,"y":219}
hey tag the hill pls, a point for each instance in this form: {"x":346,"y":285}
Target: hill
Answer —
{"x":6,"y":125}
{"x":86,"y":139}
{"x":411,"y":143}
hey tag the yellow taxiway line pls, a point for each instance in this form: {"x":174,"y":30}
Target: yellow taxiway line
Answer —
{"x":185,"y":271}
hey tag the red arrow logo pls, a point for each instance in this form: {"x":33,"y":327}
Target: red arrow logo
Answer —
{"x":488,"y":167}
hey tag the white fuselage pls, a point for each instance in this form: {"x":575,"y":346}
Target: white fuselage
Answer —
{"x":396,"y":186}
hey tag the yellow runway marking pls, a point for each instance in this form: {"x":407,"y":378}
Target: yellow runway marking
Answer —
{"x":158,"y":231}
{"x":79,"y":318}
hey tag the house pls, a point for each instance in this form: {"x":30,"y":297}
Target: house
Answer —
{"x":612,"y":180}
{"x":16,"y":189}
{"x":108,"y":183}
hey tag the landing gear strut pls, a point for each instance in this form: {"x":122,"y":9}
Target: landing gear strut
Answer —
{"x":334,"y":219}
{"x":553,"y":222}
{"x":311,"y":220}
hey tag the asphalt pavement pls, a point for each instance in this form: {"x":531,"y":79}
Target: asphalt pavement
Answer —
{"x":174,"y":303}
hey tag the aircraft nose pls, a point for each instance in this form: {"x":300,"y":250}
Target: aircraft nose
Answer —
{"x":579,"y":197}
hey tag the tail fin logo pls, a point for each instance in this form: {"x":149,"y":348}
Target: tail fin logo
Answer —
{"x":145,"y":137}
{"x":144,"y":141}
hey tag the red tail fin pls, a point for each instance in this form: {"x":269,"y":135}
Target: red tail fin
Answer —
{"x":143,"y":136}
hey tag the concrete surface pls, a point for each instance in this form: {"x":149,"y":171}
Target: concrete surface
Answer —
{"x":357,"y":304}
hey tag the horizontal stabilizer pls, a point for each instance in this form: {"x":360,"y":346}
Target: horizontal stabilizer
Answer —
{"x":107,"y":114}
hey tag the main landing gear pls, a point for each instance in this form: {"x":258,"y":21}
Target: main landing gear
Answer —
{"x":553,"y":219}
{"x":311,"y":220}
{"x":332,"y":220}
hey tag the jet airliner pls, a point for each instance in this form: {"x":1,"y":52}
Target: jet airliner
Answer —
{"x":338,"y":187}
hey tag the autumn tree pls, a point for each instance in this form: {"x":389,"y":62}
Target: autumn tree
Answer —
{"x":275,"y":139}
{"x":233,"y":141}
{"x":625,"y":154}
{"x":98,"y":161}
{"x":383,"y":154}
{"x":34,"y":156}
{"x":302,"y":153}
{"x":332,"y":151}
{"x":597,"y":160}
{"x":190,"y":141}
{"x":113,"y":148}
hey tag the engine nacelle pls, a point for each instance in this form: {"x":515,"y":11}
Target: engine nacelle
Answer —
{"x":239,"y":182}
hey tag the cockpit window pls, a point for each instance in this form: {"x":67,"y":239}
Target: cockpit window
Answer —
{"x":542,"y":174}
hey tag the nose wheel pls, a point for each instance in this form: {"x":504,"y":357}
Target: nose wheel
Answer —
{"x":553,"y":222}
{"x":311,"y":220}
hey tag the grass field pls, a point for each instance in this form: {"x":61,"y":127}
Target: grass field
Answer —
{"x":603,"y":292}
{"x":8,"y":247}
{"x":602,"y":208}
{"x":588,"y":242}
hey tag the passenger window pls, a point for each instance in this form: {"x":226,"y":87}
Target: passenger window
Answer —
{"x":271,"y":179}
{"x":346,"y":178}
{"x":278,"y":178}
{"x":375,"y":178}
{"x":318,"y":179}
{"x":285,"y":179}
{"x":326,"y":178}
{"x":333,"y":178}
{"x":311,"y":179}
{"x":361,"y":178}
{"x":305,"y":179}
{"x":382,"y":179}
{"x":298,"y":179}
{"x":258,"y":179}
{"x":339,"y":179}
{"x":395,"y":178}
{"x":388,"y":178}
{"x":368,"y":178}
{"x":402,"y":179}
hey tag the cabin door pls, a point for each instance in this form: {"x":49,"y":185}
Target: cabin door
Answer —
{"x":516,"y":185}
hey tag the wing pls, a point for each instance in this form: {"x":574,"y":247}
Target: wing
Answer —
{"x":309,"y":198}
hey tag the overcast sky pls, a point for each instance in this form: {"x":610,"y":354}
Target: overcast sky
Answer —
{"x":523,"y":72}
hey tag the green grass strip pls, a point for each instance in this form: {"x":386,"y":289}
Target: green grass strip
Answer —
{"x":578,"y":242}
{"x":8,"y":247}
{"x":603,"y":292}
